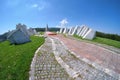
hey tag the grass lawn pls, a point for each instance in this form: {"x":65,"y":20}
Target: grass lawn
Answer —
{"x":15,"y":60}
{"x":103,"y":41}
{"x":42,"y":33}
{"x":107,"y":41}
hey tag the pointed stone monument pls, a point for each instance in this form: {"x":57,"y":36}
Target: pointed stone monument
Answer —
{"x":46,"y":29}
{"x":65,"y":31}
{"x":82,"y":30}
{"x":90,"y":34}
{"x":61,"y":30}
{"x":69,"y":33}
{"x":79,"y":30}
{"x":74,"y":31}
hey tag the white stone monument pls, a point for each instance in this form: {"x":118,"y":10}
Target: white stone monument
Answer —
{"x":78,"y":27}
{"x":79,"y":30}
{"x":61,"y":30}
{"x":90,"y":34}
{"x":65,"y":31}
{"x":72,"y":30}
{"x":82,"y":30}
{"x":69,"y":32}
{"x":75,"y":30}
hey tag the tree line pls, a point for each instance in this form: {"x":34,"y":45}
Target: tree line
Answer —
{"x":49,"y":29}
{"x":109,"y":36}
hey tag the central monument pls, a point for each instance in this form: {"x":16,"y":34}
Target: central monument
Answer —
{"x":46,"y":29}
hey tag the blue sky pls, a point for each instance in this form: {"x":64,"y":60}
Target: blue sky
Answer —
{"x":101,"y":15}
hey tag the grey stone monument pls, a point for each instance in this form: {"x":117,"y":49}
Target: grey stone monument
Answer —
{"x":32,"y":31}
{"x":18,"y":37}
{"x":23,"y":28}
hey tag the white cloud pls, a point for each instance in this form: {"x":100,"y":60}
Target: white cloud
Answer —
{"x":63,"y":22}
{"x":38,"y":7}
{"x":41,"y":5}
{"x":34,"y":5}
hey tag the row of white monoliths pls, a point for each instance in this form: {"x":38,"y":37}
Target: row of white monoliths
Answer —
{"x":83,"y":31}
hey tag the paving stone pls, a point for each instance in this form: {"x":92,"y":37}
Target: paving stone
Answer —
{"x":86,"y":71}
{"x":46,"y":66}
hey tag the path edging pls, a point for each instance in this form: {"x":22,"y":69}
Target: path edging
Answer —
{"x":32,"y":66}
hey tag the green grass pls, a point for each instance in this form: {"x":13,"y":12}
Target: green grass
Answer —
{"x":76,"y":36}
{"x":15,"y":60}
{"x":64,"y":35}
{"x":107,"y":41}
{"x":42,"y":33}
{"x":103,"y":41}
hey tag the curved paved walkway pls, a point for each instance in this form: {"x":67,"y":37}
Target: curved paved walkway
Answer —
{"x":97,"y":54}
{"x":61,"y":58}
{"x":81,"y":69}
{"x":45,"y":66}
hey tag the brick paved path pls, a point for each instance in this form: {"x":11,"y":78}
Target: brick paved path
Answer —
{"x":46,"y":67}
{"x":97,"y":54}
{"x":55,"y":61}
{"x":83,"y":70}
